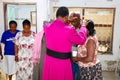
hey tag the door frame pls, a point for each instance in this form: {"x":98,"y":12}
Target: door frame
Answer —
{"x":15,"y":3}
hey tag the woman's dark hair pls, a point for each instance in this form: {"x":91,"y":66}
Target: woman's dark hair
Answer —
{"x":62,"y":11}
{"x":90,"y":28}
{"x":26,"y":22}
{"x":13,"y":22}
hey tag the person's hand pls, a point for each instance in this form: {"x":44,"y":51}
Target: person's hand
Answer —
{"x":1,"y":56}
{"x":74,"y":59}
{"x":16,"y":58}
{"x":85,"y":22}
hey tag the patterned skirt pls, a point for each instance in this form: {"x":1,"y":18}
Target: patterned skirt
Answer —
{"x":91,"y":73}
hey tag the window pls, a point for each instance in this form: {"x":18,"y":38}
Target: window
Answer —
{"x":103,"y":19}
{"x":104,"y":24}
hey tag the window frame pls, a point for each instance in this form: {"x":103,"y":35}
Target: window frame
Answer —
{"x":112,"y":25}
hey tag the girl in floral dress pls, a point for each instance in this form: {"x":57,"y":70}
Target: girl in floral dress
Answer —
{"x":23,"y":52}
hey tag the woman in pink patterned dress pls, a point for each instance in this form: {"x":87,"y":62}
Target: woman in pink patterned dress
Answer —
{"x":90,"y":66}
{"x":23,"y":52}
{"x":59,"y":39}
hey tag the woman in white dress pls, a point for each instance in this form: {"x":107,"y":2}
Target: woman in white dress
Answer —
{"x":23,"y":52}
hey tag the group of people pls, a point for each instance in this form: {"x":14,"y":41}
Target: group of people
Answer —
{"x":62,"y":36}
{"x":18,"y":50}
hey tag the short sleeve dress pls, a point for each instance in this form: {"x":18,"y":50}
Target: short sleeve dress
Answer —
{"x":25,"y":64}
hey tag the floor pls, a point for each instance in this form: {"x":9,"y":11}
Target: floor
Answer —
{"x":110,"y":76}
{"x":106,"y":76}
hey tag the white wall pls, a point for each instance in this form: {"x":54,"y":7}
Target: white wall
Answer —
{"x":1,"y":19}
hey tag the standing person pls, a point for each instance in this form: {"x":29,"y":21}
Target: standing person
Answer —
{"x":75,"y":21}
{"x":59,"y":39}
{"x":90,"y":66}
{"x":23,"y":52}
{"x":38,"y":67}
{"x":39,"y":51}
{"x":8,"y":40}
